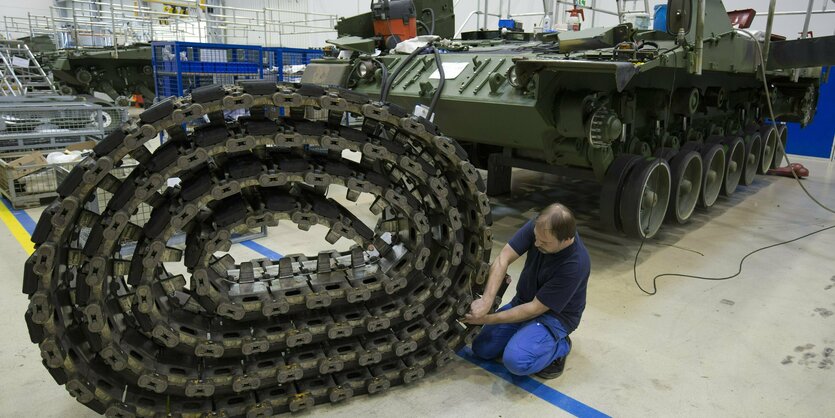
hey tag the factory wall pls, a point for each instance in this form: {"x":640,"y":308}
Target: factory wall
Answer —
{"x":292,"y":11}
{"x":789,"y":26}
{"x":17,"y":8}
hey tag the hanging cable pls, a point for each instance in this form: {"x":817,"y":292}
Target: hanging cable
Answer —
{"x":660,"y":152}
{"x":431,"y":13}
{"x":441,"y":81}
{"x":785,"y":156}
{"x":384,"y":93}
{"x":385,"y":71}
{"x":423,"y":25}
{"x":407,"y":61}
{"x":774,"y":120}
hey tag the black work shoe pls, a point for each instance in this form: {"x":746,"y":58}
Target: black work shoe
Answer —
{"x":554,"y":370}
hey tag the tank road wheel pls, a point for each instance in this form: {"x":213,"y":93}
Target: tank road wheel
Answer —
{"x":612,"y":189}
{"x":713,"y":173}
{"x":643,"y":203}
{"x":686,"y":170}
{"x":753,"y":150}
{"x":735,"y":162}
{"x":769,"y":134}
{"x":780,"y":151}
{"x":189,"y":330}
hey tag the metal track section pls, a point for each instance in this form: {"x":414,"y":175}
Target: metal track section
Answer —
{"x":128,"y":336}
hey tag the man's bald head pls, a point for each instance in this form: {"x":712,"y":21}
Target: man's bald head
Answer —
{"x":558,"y":220}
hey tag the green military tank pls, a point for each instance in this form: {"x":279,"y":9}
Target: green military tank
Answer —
{"x":139,"y":308}
{"x":117,"y":73}
{"x":603,"y":103}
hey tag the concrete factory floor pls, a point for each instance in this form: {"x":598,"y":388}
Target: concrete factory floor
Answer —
{"x":759,"y":344}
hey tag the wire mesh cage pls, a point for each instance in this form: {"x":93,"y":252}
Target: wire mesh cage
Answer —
{"x":180,"y":67}
{"x":287,"y":64}
{"x":29,"y":180}
{"x":113,"y":117}
{"x":102,"y":197}
{"x":40,"y":124}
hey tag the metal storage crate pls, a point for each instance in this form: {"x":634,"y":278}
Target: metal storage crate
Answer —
{"x":29,"y":181}
{"x":180,"y":67}
{"x":287,"y":64}
{"x":113,"y":118}
{"x":28,"y":123}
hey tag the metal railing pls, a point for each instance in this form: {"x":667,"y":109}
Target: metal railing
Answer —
{"x":22,"y":74}
{"x":549,"y":8}
{"x":122,"y":22}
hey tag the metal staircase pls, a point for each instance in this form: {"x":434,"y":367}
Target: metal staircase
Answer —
{"x":21,"y":73}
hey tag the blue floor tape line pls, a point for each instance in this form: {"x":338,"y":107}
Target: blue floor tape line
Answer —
{"x":530,"y":385}
{"x":25,"y":220}
{"x":534,"y":387}
{"x":29,"y":225}
{"x":266,"y":252}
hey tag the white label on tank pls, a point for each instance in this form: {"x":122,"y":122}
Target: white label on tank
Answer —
{"x":422,"y":111}
{"x":451,"y":70}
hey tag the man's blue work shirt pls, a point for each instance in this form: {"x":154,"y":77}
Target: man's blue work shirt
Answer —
{"x":558,"y":280}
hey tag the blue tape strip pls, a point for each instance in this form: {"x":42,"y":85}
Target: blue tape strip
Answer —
{"x":25,"y":220}
{"x":534,"y":387}
{"x":29,"y":225}
{"x":266,"y":252}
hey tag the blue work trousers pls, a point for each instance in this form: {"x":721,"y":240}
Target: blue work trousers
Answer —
{"x":525,"y":347}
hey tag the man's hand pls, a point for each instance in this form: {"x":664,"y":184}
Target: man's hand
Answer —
{"x":470,"y":319}
{"x":518,"y":313}
{"x":479,"y":308}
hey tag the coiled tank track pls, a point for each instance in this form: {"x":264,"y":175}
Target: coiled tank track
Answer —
{"x":127,"y":336}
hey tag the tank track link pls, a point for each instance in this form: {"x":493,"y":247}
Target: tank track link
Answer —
{"x":127,"y":337}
